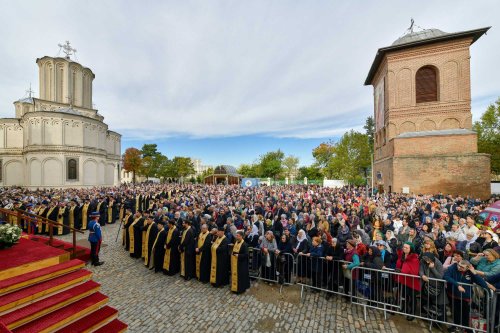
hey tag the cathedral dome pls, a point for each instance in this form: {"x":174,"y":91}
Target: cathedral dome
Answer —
{"x":419,"y":36}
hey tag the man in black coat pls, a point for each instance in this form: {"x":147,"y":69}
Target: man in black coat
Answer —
{"x":187,"y":249}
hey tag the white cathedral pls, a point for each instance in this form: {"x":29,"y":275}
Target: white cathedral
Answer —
{"x":59,"y":140}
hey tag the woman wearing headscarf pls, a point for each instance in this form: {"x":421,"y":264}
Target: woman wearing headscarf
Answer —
{"x":391,"y":240}
{"x":284,"y":255}
{"x":408,"y":264}
{"x":471,"y":246}
{"x":300,"y":249}
{"x":489,"y":241}
{"x":433,"y":297}
{"x":370,"y":278}
{"x":268,"y":248}
{"x":344,"y":233}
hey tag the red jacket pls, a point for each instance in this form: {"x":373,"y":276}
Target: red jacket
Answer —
{"x":409,"y":266}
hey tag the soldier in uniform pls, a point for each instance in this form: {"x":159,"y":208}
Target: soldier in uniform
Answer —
{"x":95,"y":238}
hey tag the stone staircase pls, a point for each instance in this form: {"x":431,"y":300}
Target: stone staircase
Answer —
{"x":58,"y":298}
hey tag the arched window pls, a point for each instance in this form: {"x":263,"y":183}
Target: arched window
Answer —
{"x":426,"y":84}
{"x":72,"y":170}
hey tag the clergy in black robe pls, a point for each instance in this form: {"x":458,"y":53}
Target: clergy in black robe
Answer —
{"x":132,"y":232}
{"x":74,"y":215}
{"x":158,"y":251}
{"x":112,"y":211}
{"x":85,"y":211}
{"x":102,"y":208}
{"x":187,"y":249}
{"x":219,"y":269}
{"x":151,"y":233}
{"x":171,"y":262}
{"x":203,"y":254}
{"x":240,"y":276}
{"x":52,"y":215}
{"x":128,"y":219}
{"x":62,"y":220}
{"x":137,"y":229}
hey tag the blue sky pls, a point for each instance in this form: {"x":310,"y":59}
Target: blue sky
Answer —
{"x":227,"y":81}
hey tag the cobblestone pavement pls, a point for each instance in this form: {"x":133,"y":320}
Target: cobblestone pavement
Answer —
{"x":150,"y":302}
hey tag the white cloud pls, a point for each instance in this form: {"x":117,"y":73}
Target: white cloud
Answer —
{"x":216,"y":68}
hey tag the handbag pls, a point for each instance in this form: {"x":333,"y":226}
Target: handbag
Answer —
{"x":347,"y":273}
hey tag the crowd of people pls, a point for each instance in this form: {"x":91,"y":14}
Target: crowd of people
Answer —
{"x":208,"y":233}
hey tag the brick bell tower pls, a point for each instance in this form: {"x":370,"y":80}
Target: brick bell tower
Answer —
{"x":424,"y":141}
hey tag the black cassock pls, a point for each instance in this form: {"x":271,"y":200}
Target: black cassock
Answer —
{"x":158,"y":251}
{"x":204,"y":255}
{"x":153,"y":231}
{"x":172,"y":252}
{"x":138,"y":238}
{"x":219,"y":272}
{"x":187,"y":248}
{"x":126,"y":224}
{"x":240,"y":276}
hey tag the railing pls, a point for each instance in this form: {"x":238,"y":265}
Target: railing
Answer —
{"x":17,"y":216}
{"x":271,"y":267}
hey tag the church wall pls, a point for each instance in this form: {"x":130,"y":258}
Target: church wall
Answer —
{"x":35,"y":172}
{"x":14,"y":171}
{"x":110,"y":172}
{"x":464,"y":174}
{"x":52,"y":132}
{"x":13,"y":136}
{"x":101,"y":169}
{"x":73,"y":133}
{"x":35,"y":132}
{"x":90,"y":172}
{"x":52,"y":172}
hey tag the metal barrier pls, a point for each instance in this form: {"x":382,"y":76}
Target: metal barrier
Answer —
{"x":321,"y":274}
{"x":431,"y":300}
{"x":495,"y":312}
{"x":271,"y":267}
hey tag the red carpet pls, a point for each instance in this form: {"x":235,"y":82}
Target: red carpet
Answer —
{"x":40,"y":275}
{"x":78,"y":308}
{"x":49,"y":304}
{"x":113,"y":327}
{"x":90,"y":321}
{"x":43,"y":288}
{"x":85,"y":256}
{"x":25,"y":252}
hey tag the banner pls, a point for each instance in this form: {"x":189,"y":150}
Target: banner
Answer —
{"x":249,"y":182}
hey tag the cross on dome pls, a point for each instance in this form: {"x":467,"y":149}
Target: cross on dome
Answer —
{"x":67,"y":49}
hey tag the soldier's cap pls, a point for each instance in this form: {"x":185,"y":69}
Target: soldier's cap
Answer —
{"x":94,"y":214}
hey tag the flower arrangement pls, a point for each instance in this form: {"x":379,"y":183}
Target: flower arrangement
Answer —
{"x":9,"y":235}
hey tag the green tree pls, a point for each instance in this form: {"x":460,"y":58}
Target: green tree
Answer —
{"x":323,"y":153}
{"x":271,"y":163}
{"x":249,"y":170}
{"x":311,"y":172}
{"x":290,"y":166}
{"x":182,"y":167}
{"x":132,"y":161}
{"x":149,"y":149}
{"x":348,"y":159}
{"x":488,"y":132}
{"x":370,"y":131}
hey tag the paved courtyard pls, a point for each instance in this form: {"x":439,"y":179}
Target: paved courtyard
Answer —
{"x":150,"y":302}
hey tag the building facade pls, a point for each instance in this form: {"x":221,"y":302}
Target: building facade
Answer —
{"x":424,"y":141}
{"x":59,"y":140}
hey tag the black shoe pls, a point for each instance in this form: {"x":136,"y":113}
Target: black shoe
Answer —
{"x":99,"y":263}
{"x":410,"y":318}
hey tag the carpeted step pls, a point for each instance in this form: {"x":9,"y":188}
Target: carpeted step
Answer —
{"x":40,"y":275}
{"x":92,"y":321}
{"x":40,"y":308}
{"x":56,"y":319}
{"x":115,"y":326}
{"x":33,"y":292}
